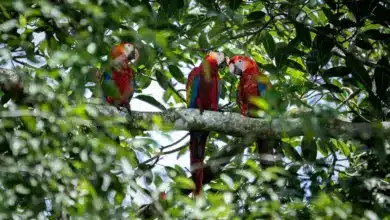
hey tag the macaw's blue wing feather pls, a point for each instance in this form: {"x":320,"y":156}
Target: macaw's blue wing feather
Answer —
{"x":194,"y":91}
{"x":106,"y":76}
{"x":262,"y":89}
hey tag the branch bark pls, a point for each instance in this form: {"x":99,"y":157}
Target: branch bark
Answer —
{"x":237,"y":125}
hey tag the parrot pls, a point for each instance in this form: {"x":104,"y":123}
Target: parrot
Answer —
{"x":253,"y":83}
{"x":118,"y":85}
{"x":203,"y":90}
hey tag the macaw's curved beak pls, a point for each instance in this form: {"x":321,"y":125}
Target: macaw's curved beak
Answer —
{"x":133,"y":56}
{"x":235,"y":70}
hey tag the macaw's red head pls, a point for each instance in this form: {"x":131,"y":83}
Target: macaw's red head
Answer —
{"x":240,"y":65}
{"x":217,"y":58}
{"x":123,"y":53}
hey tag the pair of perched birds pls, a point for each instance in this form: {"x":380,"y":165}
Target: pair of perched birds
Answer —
{"x":203,"y":92}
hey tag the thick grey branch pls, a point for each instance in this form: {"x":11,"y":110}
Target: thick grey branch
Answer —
{"x":238,"y":125}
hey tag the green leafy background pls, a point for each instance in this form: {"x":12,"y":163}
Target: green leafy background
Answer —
{"x":331,"y":57}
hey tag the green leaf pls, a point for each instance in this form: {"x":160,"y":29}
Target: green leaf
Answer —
{"x":323,"y":43}
{"x":303,"y":34}
{"x":323,"y":147}
{"x":342,"y":146}
{"x":268,"y":43}
{"x":151,"y":101}
{"x":347,"y":23}
{"x":338,"y":71}
{"x":171,"y":172}
{"x":376,"y":35}
{"x":295,"y":65}
{"x":332,"y":88}
{"x":329,"y":14}
{"x":269,"y":68}
{"x":161,"y":79}
{"x":142,"y":81}
{"x":317,"y":58}
{"x":184,"y":183}
{"x":283,"y":51}
{"x":171,"y":7}
{"x":256,"y":15}
{"x":203,"y":42}
{"x":291,"y":152}
{"x":22,"y":21}
{"x":234,"y":4}
{"x":309,"y":148}
{"x":382,"y":79}
{"x":176,"y":73}
{"x":181,"y":153}
{"x":311,"y":62}
{"x":332,"y":4}
{"x":359,"y":72}
{"x":363,"y":43}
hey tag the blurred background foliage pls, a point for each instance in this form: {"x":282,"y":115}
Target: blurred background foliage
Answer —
{"x":331,"y":57}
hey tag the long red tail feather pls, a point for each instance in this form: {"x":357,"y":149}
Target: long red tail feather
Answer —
{"x":197,"y":151}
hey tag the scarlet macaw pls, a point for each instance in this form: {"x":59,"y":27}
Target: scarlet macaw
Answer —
{"x":203,"y":91}
{"x":118,"y":85}
{"x":253,"y":83}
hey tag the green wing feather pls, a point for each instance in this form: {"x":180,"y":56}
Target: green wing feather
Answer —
{"x":109,"y":87}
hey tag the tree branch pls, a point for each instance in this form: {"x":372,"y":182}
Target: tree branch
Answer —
{"x":238,"y":125}
{"x":232,"y":123}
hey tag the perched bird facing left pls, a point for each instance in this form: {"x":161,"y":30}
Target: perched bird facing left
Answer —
{"x":203,"y":91}
{"x":253,"y":83}
{"x":118,"y":85}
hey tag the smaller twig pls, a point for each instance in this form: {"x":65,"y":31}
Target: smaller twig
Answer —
{"x":176,"y":142}
{"x":24,"y":63}
{"x":315,"y":103}
{"x":146,"y":76}
{"x":176,"y":92}
{"x":351,"y":96}
{"x":157,"y":157}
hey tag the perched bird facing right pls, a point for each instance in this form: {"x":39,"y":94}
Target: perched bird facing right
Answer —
{"x":118,"y":85}
{"x":253,"y":83}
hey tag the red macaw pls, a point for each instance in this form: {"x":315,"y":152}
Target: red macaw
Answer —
{"x":253,"y":83}
{"x":203,"y":91}
{"x":118,"y":86}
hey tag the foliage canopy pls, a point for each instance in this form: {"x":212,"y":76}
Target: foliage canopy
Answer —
{"x":330,"y":57}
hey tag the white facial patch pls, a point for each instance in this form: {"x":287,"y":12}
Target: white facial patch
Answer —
{"x":220,"y":57}
{"x":128,"y":49}
{"x":231,"y":68}
{"x":240,"y":64}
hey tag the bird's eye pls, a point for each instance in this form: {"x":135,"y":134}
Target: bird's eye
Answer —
{"x":240,"y":61}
